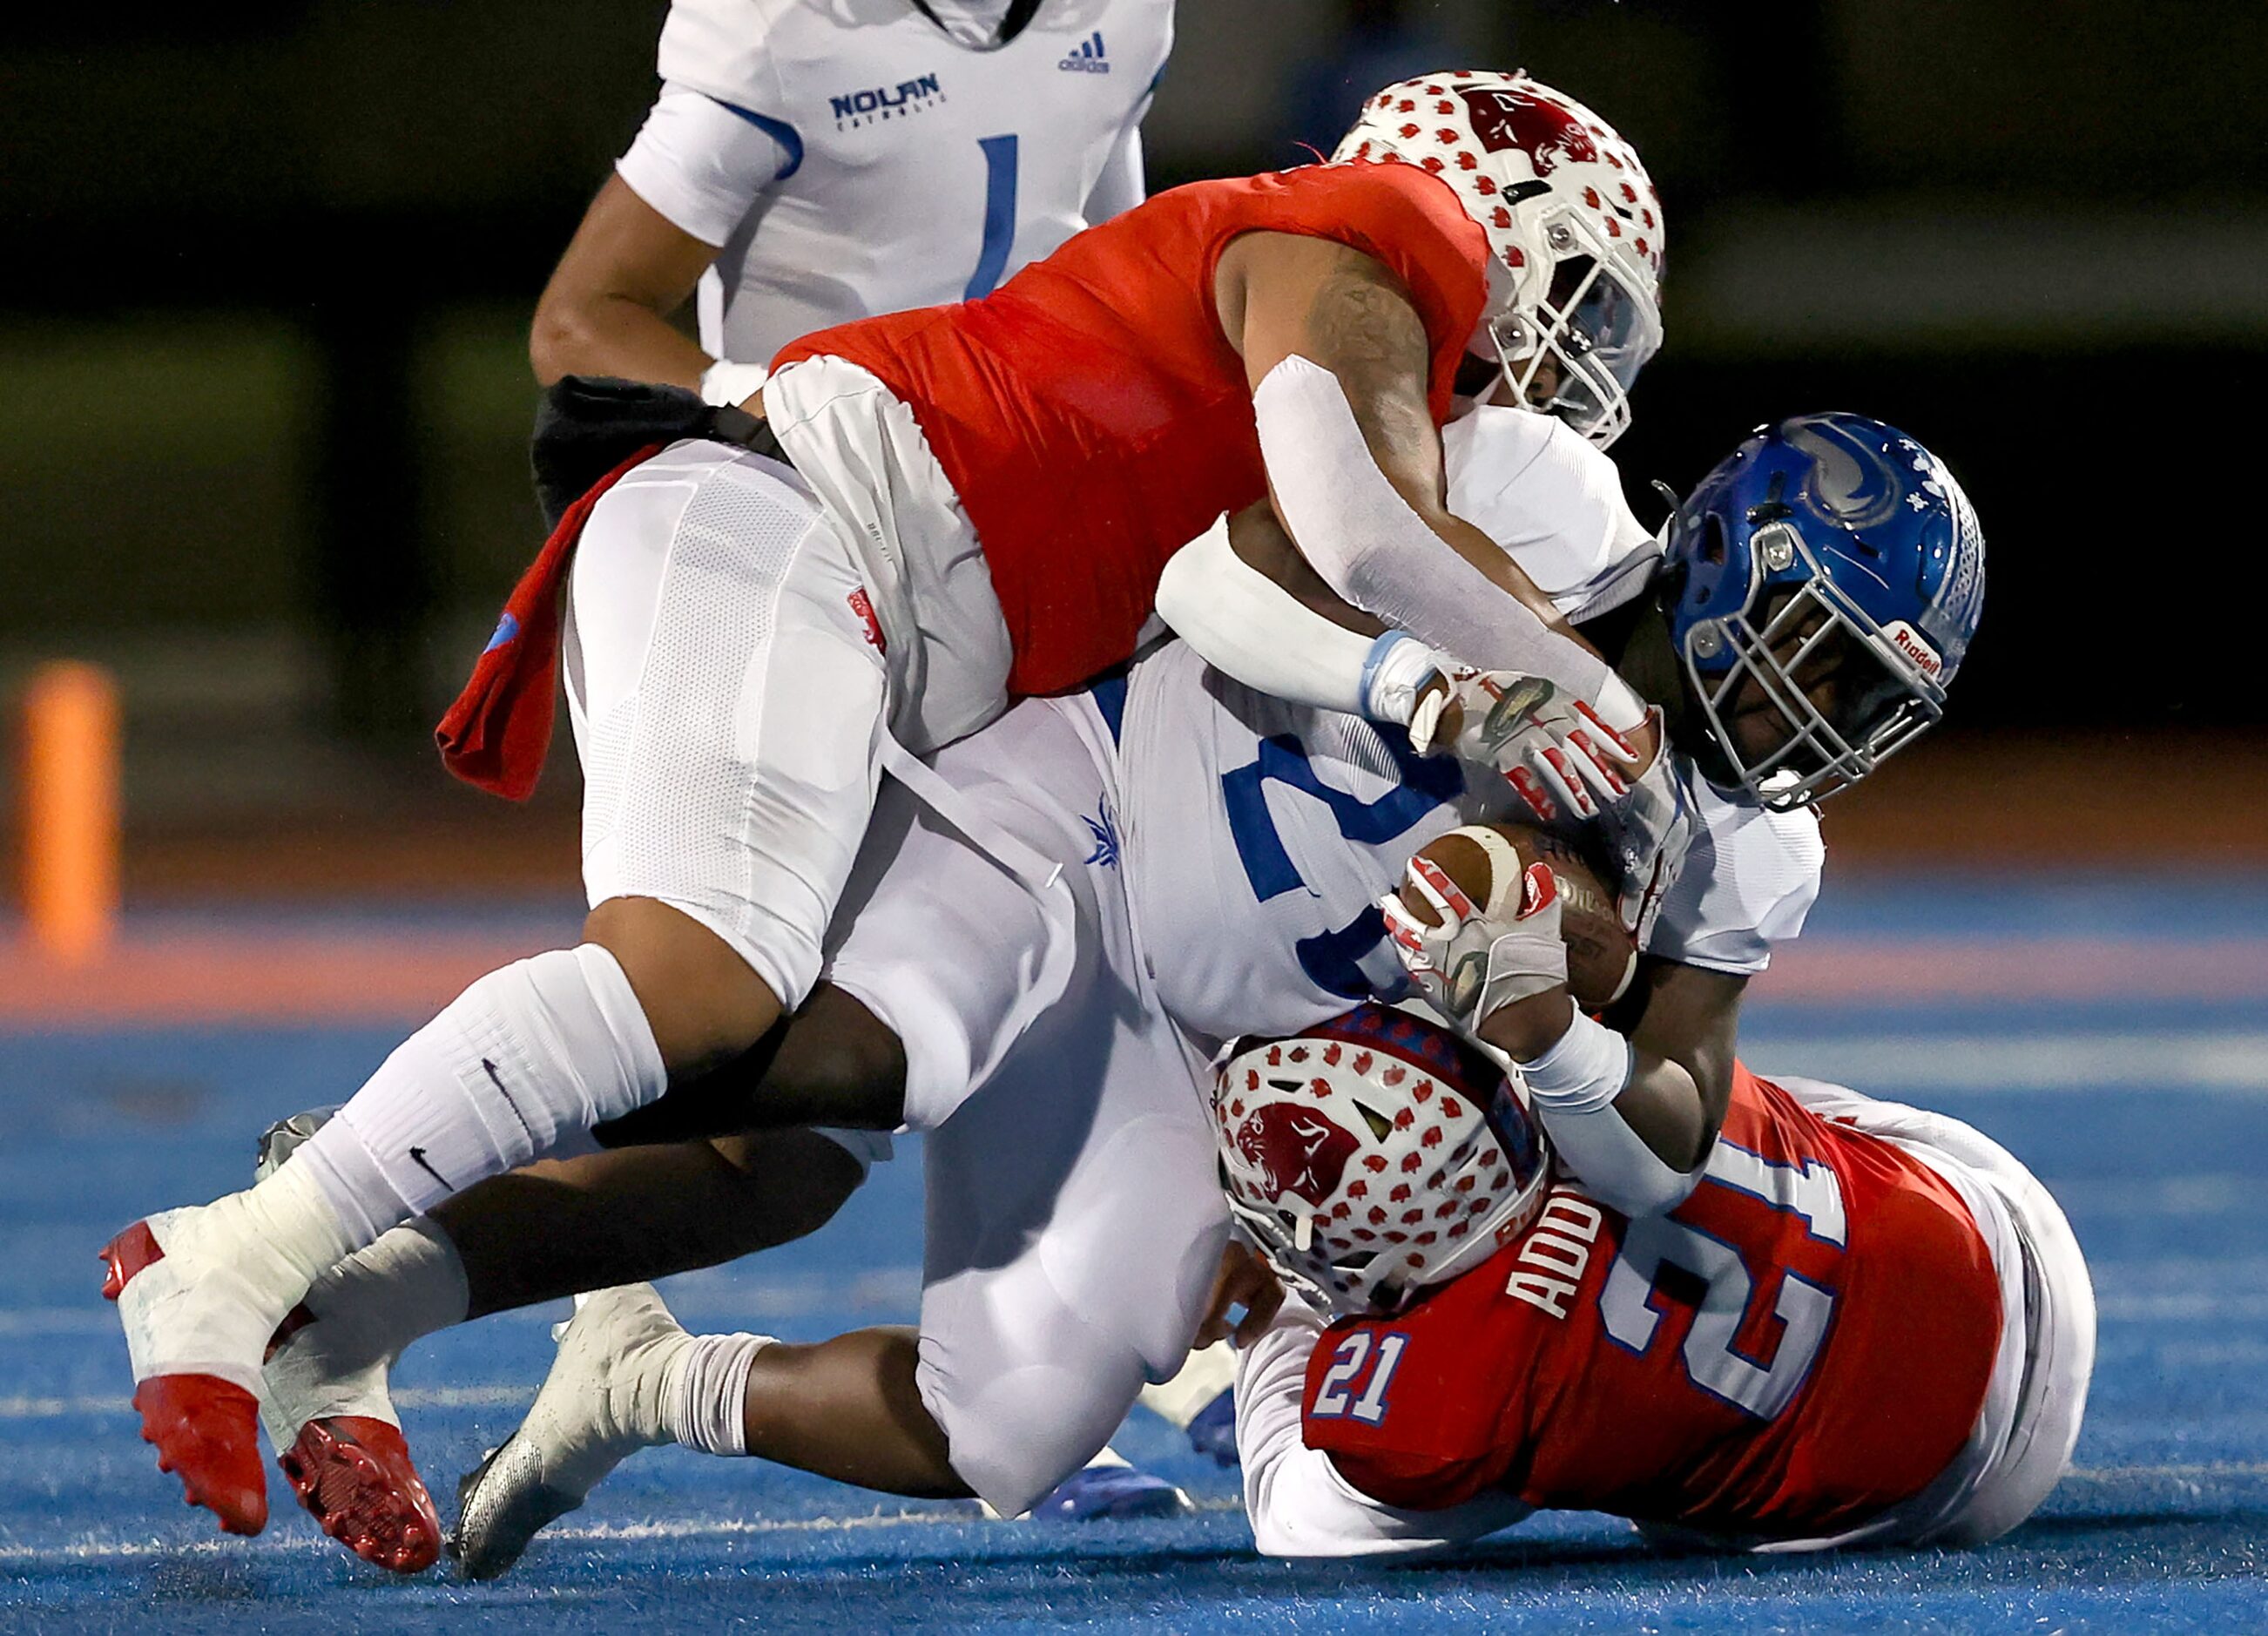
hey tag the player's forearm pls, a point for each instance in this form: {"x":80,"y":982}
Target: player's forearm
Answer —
{"x":1420,"y":571}
{"x":605,"y":334}
{"x":1240,"y":594}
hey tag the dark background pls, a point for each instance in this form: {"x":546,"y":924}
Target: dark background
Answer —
{"x":263,"y":388}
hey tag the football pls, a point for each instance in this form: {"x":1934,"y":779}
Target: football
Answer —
{"x":1601,"y":958}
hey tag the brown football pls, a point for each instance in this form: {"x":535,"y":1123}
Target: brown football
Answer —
{"x":1600,"y":956}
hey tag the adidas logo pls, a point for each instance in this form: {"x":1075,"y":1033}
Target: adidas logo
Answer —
{"x":1088,"y":59}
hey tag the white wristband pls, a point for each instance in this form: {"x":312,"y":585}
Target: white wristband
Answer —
{"x":726,"y":383}
{"x":1397,"y":667}
{"x":1584,"y":1072}
{"x":1574,"y":1087}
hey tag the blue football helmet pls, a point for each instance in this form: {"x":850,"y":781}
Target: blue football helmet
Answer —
{"x":1828,"y":571}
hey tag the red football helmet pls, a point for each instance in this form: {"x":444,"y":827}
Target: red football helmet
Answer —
{"x":1574,"y":232}
{"x":1375,"y":1154}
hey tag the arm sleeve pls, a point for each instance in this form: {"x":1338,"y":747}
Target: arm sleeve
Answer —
{"x":1251,"y":627}
{"x":702,"y":164}
{"x":1362,"y":537}
{"x":1298,"y":1503}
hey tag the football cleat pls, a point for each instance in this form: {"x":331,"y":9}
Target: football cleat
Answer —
{"x":353,"y":1474}
{"x":205,"y":1426}
{"x":1107,"y":1488}
{"x":325,"y":1404}
{"x":599,"y":1404}
{"x":1214,"y":1432}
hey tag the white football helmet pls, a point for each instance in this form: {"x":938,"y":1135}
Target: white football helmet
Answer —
{"x":1375,"y":1154}
{"x":1574,"y":232}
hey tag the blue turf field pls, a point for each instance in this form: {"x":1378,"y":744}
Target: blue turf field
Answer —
{"x":2150,"y":1121}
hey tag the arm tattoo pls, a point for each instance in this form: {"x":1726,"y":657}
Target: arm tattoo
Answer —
{"x":1369,"y":336}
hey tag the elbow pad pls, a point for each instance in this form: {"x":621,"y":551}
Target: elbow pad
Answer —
{"x":1372,"y":548}
{"x":1573,"y":1088}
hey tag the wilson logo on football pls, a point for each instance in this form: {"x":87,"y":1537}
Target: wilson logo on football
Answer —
{"x":1295,"y":1150}
{"x":1917,"y":652}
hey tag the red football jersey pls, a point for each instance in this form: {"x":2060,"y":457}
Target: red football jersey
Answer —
{"x":1092,"y":418}
{"x":1804,"y":1342}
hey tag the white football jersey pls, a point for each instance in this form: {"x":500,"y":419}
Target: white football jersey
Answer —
{"x":852,"y":158}
{"x":1285,"y":823}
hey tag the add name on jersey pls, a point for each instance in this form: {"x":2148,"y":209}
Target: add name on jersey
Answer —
{"x":1556,"y":1252}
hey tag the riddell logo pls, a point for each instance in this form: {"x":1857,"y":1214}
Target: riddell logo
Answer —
{"x":1088,"y":59}
{"x":1917,"y":652}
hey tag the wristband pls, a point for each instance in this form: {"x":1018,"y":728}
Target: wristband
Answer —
{"x":725,"y":383}
{"x":1573,"y":1088}
{"x":1397,"y":668}
{"x":1583,"y":1071}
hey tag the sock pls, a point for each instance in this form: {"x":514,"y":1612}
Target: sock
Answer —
{"x":708,"y":1392}
{"x":530,"y":1053}
{"x":401,"y":1288}
{"x":280,"y":1235}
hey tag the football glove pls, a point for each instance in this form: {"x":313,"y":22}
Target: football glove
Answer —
{"x":1548,"y":744}
{"x":1479,"y":956}
{"x":1649,"y":830}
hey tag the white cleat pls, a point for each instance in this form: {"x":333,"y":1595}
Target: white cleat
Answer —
{"x":604,"y":1400}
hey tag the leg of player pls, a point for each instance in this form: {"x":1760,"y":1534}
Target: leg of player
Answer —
{"x":627,"y":1377}
{"x":555,"y":1229}
{"x":713,"y":651}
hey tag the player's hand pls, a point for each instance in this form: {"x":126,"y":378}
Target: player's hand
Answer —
{"x":1246,"y":1281}
{"x":1471,"y":959}
{"x":1558,"y":757}
{"x":1650,"y":830}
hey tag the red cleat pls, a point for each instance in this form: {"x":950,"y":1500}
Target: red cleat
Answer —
{"x":207,"y":1431}
{"x":353,"y":1473}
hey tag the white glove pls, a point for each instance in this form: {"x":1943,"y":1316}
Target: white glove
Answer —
{"x":1480,"y":956}
{"x":1548,"y":744}
{"x":1649,"y":831}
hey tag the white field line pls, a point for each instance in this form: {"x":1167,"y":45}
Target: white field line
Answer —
{"x":702,"y":1528}
{"x":741,"y":1528}
{"x":1904,"y":1065}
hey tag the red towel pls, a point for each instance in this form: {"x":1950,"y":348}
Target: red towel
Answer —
{"x":497,"y":734}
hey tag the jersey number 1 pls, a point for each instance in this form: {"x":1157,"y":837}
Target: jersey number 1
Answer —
{"x":1000,"y":214}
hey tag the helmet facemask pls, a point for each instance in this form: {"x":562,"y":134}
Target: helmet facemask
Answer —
{"x":1593,"y":325}
{"x":1786,"y":642}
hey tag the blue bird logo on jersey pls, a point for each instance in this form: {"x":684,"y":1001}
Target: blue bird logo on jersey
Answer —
{"x":1090,"y":58}
{"x":1104,"y":828}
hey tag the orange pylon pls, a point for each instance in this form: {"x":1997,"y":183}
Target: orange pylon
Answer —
{"x":70,"y":810}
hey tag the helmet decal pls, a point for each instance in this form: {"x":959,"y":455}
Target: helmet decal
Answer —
{"x":1374,"y":1155}
{"x":1295,"y":1150}
{"x":1508,"y":116}
{"x":1848,"y":480}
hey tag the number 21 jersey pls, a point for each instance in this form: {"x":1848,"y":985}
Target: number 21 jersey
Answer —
{"x":1803,"y":1344}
